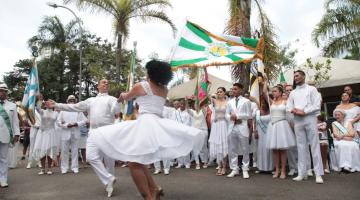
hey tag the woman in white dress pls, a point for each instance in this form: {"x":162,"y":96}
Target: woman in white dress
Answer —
{"x":264,"y":155}
{"x":347,"y":151}
{"x":149,"y":138}
{"x":279,"y":134}
{"x":46,"y":144}
{"x":218,"y":141}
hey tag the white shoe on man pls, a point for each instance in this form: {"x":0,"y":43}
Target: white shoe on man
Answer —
{"x":310,"y":173}
{"x":4,"y":184}
{"x":292,"y":172}
{"x":319,"y":180}
{"x":157,"y":171}
{"x":166,"y":171}
{"x":178,"y":166}
{"x":110,"y":187}
{"x":300,"y":178}
{"x":233,"y":173}
{"x":28,"y":166}
{"x":246,"y":174}
{"x":75,"y":170}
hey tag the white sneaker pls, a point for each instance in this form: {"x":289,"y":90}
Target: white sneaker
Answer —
{"x":187,"y":166}
{"x":39,"y":164}
{"x":4,"y":184}
{"x":233,"y":174}
{"x":63,"y":171}
{"x":157,"y":171}
{"x":41,"y":172}
{"x":254,"y":164}
{"x":218,"y":167}
{"x":76,"y":171}
{"x":49,"y":173}
{"x":205,"y":166}
{"x":166,"y":171}
{"x":110,"y":187}
{"x":327,"y":171}
{"x":310,"y":173}
{"x":197,"y":167}
{"x":300,"y":178}
{"x":246,"y":174}
{"x":319,"y":180}
{"x":28,"y":166}
{"x":178,"y":166}
{"x":291,"y":172}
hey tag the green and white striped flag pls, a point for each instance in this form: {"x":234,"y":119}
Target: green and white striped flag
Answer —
{"x":199,"y":48}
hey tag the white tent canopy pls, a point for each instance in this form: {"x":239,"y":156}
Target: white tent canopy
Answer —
{"x":188,"y":88}
{"x":343,"y":72}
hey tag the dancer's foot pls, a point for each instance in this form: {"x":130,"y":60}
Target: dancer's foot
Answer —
{"x":276,"y":174}
{"x":218,"y":173}
{"x":158,"y":192}
{"x":283,"y":176}
{"x":110,"y":187}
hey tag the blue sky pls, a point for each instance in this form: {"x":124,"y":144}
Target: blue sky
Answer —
{"x":294,"y":21}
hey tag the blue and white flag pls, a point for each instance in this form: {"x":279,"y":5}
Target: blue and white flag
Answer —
{"x":30,"y":93}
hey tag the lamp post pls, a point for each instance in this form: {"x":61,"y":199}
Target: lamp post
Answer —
{"x":80,"y":47}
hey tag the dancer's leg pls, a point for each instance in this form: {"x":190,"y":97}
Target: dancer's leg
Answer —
{"x":276,"y":162}
{"x":283,"y":158}
{"x":140,"y":179}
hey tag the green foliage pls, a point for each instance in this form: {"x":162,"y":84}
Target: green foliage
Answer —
{"x":287,"y":57}
{"x":321,"y":70}
{"x":339,"y":29}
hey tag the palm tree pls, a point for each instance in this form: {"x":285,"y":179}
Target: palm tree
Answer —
{"x":239,"y":25}
{"x":339,"y":28}
{"x":123,"y":11}
{"x":53,"y":35}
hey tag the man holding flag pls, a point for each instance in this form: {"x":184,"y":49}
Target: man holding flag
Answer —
{"x":9,"y":131}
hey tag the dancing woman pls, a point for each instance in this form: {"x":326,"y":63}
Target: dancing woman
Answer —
{"x":150,"y":138}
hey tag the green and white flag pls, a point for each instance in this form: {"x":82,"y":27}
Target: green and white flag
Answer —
{"x":198,"y":47}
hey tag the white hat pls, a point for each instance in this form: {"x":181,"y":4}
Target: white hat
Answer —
{"x":3,"y":86}
{"x":70,"y":97}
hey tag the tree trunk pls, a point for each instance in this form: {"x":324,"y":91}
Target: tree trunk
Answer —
{"x":118,"y":56}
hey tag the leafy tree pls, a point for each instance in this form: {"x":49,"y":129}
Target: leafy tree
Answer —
{"x":339,"y":29}
{"x":321,"y":70}
{"x":123,"y":11}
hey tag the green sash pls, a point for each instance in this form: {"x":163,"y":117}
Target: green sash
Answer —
{"x":6,"y":118}
{"x":340,"y":127}
{"x":260,"y":122}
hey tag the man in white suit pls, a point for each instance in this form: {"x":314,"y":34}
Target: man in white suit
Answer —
{"x":238,"y":112}
{"x":9,"y":131}
{"x":70,"y":123}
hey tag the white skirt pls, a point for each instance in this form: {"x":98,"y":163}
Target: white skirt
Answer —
{"x":347,"y":155}
{"x":264,"y":155}
{"x":82,"y":142}
{"x":280,"y":135}
{"x":46,"y":144}
{"x":218,"y":141}
{"x":147,"y":140}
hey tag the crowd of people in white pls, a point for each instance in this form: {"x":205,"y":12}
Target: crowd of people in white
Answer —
{"x":282,"y":130}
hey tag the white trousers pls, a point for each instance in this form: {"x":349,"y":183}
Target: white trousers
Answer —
{"x":33,"y":133}
{"x":66,"y":145}
{"x":95,"y":157}
{"x":4,"y":148}
{"x":306,"y":134}
{"x":184,"y":160}
{"x":166,"y":164}
{"x":238,"y":144}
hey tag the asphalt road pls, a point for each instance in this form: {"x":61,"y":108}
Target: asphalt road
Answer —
{"x":184,"y":184}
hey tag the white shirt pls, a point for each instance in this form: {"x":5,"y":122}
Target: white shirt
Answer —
{"x":11,"y":110}
{"x":242,"y":111}
{"x":169,"y":112}
{"x":199,"y":119}
{"x":65,"y":118}
{"x":183,"y":117}
{"x":306,"y":98}
{"x":101,"y":109}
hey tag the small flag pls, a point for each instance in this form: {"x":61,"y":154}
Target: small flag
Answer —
{"x":201,"y":90}
{"x":129,"y":106}
{"x":282,"y":78}
{"x":30,"y":93}
{"x":198,"y":47}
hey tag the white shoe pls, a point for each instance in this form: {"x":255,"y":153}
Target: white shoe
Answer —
{"x":28,"y":166}
{"x":300,"y":178}
{"x":187,"y":166}
{"x":254,"y":164}
{"x":246,"y":174}
{"x":76,"y":171}
{"x":4,"y":184}
{"x":291,"y":172}
{"x":327,"y":171}
{"x":110,"y":187}
{"x":197,"y":167}
{"x":166,"y":171}
{"x":157,"y":171}
{"x":319,"y":180}
{"x":178,"y":166}
{"x":63,"y":171}
{"x":233,"y":174}
{"x":310,"y":173}
{"x":205,"y":166}
{"x":39,"y":165}
{"x":49,"y":173}
{"x":41,"y":172}
{"x":218,"y":167}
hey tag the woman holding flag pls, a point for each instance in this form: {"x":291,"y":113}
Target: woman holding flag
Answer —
{"x":150,"y":138}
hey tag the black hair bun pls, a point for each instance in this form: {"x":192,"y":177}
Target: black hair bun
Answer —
{"x":159,"y":72}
